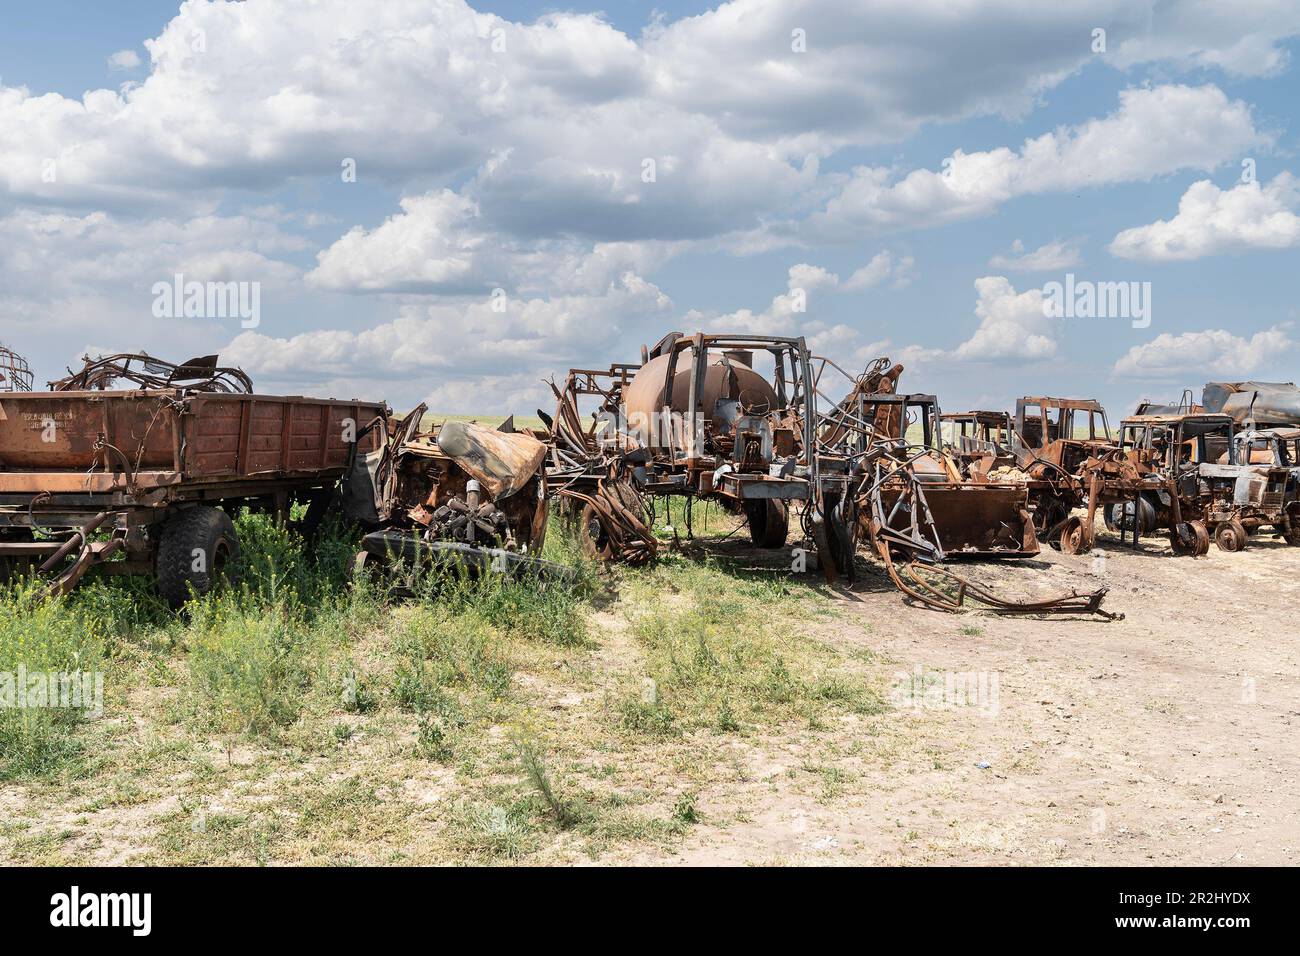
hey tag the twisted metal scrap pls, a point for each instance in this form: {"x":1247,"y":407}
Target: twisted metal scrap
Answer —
{"x":928,"y":583}
{"x":629,"y":537}
{"x":200,"y":374}
{"x":15,"y":373}
{"x":911,"y":578}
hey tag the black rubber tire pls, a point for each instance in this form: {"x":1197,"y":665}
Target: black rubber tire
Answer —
{"x":319,"y":509}
{"x":1119,"y":517}
{"x":843,"y":549}
{"x":184,"y":534}
{"x":1289,"y":527}
{"x":769,"y":522}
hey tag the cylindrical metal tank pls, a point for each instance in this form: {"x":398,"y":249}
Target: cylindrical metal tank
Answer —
{"x":644,"y":395}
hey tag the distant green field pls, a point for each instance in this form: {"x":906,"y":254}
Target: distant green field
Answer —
{"x":491,"y":421}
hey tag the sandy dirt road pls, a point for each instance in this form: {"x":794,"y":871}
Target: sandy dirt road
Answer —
{"x":1165,"y":738}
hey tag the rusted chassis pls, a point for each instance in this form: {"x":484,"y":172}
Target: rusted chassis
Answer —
{"x":85,"y":475}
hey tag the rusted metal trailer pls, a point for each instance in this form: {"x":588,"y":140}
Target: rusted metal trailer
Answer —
{"x":143,"y":480}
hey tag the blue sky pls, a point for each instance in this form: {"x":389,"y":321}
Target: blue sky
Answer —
{"x":500,"y":146}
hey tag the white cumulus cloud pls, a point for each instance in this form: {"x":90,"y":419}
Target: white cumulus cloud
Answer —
{"x":1154,"y":132}
{"x":1211,"y":221}
{"x":124,"y":60}
{"x":1213,"y":352}
{"x":1049,"y":257}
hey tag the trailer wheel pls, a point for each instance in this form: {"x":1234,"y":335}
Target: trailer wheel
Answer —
{"x":1230,"y":535}
{"x":198,"y":546}
{"x":769,"y":522}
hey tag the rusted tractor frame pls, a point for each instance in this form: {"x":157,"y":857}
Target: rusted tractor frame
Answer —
{"x":967,"y":517}
{"x":90,"y":475}
{"x":1255,"y":485}
{"x":1046,"y":449}
{"x":1164,"y":474}
{"x":977,"y":433}
{"x":911,"y":537}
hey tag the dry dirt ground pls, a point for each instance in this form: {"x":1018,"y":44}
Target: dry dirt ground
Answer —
{"x":856,"y":730}
{"x":1166,"y":738}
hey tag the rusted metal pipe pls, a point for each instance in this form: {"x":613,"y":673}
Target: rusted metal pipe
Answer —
{"x":76,"y":541}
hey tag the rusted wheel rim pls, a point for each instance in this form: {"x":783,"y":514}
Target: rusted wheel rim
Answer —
{"x":1230,"y":536}
{"x":1074,"y":537}
{"x":591,"y":532}
{"x":1202,"y":537}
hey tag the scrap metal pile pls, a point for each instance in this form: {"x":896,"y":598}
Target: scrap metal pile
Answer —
{"x":457,"y":493}
{"x":755,"y":424}
{"x":200,"y":374}
{"x":739,"y":419}
{"x":15,"y":373}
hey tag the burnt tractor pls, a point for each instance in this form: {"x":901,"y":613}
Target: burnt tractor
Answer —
{"x":1195,"y":476}
{"x":458,"y":493}
{"x":1052,"y":440}
{"x":1253,"y":485}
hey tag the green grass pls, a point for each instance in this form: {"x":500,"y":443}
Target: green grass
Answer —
{"x":39,"y":637}
{"x":728,"y":654}
{"x":304,"y":718}
{"x":431,"y":419}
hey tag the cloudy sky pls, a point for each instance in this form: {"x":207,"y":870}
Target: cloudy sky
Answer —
{"x":452,"y":202}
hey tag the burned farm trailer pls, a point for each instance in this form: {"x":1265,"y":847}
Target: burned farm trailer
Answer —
{"x":143,"y":480}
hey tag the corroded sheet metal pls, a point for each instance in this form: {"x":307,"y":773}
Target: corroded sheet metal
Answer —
{"x":503,"y":462}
